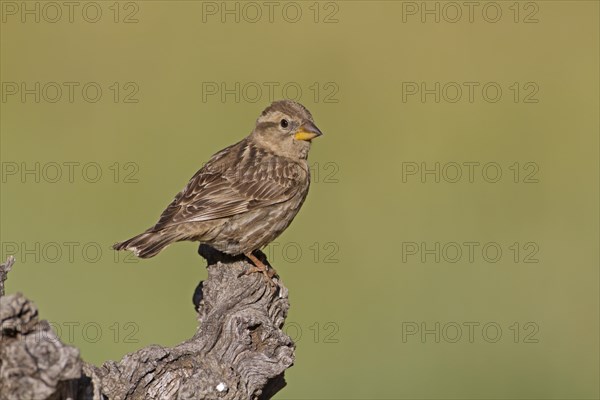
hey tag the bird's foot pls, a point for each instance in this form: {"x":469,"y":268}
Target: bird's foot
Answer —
{"x":259,"y":266}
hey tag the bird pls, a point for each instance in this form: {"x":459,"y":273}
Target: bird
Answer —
{"x":246,"y":195}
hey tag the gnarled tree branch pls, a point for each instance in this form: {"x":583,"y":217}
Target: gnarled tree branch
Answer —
{"x":238,"y":352}
{"x":4,"y":268}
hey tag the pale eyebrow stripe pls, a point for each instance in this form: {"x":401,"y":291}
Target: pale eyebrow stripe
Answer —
{"x":269,"y":115}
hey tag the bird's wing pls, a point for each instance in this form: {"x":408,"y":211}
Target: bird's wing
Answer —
{"x":234,"y":181}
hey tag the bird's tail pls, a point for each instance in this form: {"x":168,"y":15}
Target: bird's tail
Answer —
{"x":149,"y":243}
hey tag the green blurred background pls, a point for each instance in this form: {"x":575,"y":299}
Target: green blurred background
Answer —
{"x":363,"y":285}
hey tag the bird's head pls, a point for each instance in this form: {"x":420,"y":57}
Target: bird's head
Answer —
{"x":286,"y":128}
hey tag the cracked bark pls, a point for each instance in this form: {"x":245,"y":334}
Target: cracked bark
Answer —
{"x":239,"y":350}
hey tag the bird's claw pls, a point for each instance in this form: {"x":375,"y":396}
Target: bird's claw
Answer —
{"x":259,"y":266}
{"x":268,"y":274}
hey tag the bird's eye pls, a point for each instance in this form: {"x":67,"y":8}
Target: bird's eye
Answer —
{"x":284,"y":123}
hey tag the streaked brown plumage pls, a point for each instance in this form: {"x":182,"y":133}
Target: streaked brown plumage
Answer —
{"x":245,"y":195}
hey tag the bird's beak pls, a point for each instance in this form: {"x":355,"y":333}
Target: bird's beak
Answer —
{"x":307,"y":131}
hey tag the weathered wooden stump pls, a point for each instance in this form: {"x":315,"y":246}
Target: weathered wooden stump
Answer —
{"x":238,"y":352}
